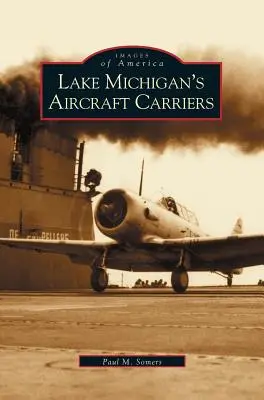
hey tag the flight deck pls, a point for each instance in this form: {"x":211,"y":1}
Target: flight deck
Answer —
{"x":219,"y":329}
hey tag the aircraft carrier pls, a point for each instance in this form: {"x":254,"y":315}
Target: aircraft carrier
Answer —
{"x":41,"y":197}
{"x":50,"y":317}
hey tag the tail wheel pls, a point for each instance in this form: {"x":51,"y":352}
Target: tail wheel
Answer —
{"x":229,"y":281}
{"x":179,"y":280}
{"x":99,"y":279}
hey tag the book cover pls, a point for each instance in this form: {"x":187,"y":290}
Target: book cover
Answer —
{"x":131,"y":230}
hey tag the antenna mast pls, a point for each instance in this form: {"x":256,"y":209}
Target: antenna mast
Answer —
{"x":141,"y":178}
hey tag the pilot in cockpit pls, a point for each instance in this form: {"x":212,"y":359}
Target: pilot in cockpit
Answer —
{"x":172,"y":205}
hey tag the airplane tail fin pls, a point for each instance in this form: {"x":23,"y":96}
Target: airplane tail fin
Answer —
{"x":238,"y":228}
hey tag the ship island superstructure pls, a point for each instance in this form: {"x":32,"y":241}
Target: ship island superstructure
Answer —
{"x":41,"y":197}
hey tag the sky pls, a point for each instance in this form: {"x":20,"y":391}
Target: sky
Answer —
{"x":218,"y":183}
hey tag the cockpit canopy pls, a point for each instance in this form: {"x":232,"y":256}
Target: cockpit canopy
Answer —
{"x":170,"y":204}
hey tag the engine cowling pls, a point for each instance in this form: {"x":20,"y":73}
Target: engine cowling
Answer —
{"x":120,"y":215}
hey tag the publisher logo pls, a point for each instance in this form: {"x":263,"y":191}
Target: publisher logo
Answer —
{"x":131,"y":83}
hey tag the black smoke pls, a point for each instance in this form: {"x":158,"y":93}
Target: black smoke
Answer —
{"x":243,"y":112}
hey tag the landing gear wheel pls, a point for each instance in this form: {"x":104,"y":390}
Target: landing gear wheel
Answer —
{"x":229,"y":281}
{"x":99,"y":279}
{"x":179,"y":280}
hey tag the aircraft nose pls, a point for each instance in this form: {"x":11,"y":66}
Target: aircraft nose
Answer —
{"x":112,"y":209}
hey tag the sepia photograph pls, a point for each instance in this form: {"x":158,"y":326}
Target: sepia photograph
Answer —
{"x":132,"y":203}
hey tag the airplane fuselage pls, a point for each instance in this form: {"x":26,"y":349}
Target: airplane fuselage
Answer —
{"x":140,"y":219}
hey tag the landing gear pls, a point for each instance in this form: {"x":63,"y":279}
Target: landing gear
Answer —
{"x":99,"y":279}
{"x":99,"y":276}
{"x":179,"y":280}
{"x":228,"y":277}
{"x":229,"y":280}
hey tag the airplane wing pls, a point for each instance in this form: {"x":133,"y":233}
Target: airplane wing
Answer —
{"x":216,"y":252}
{"x":78,"y":250}
{"x":209,"y":252}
